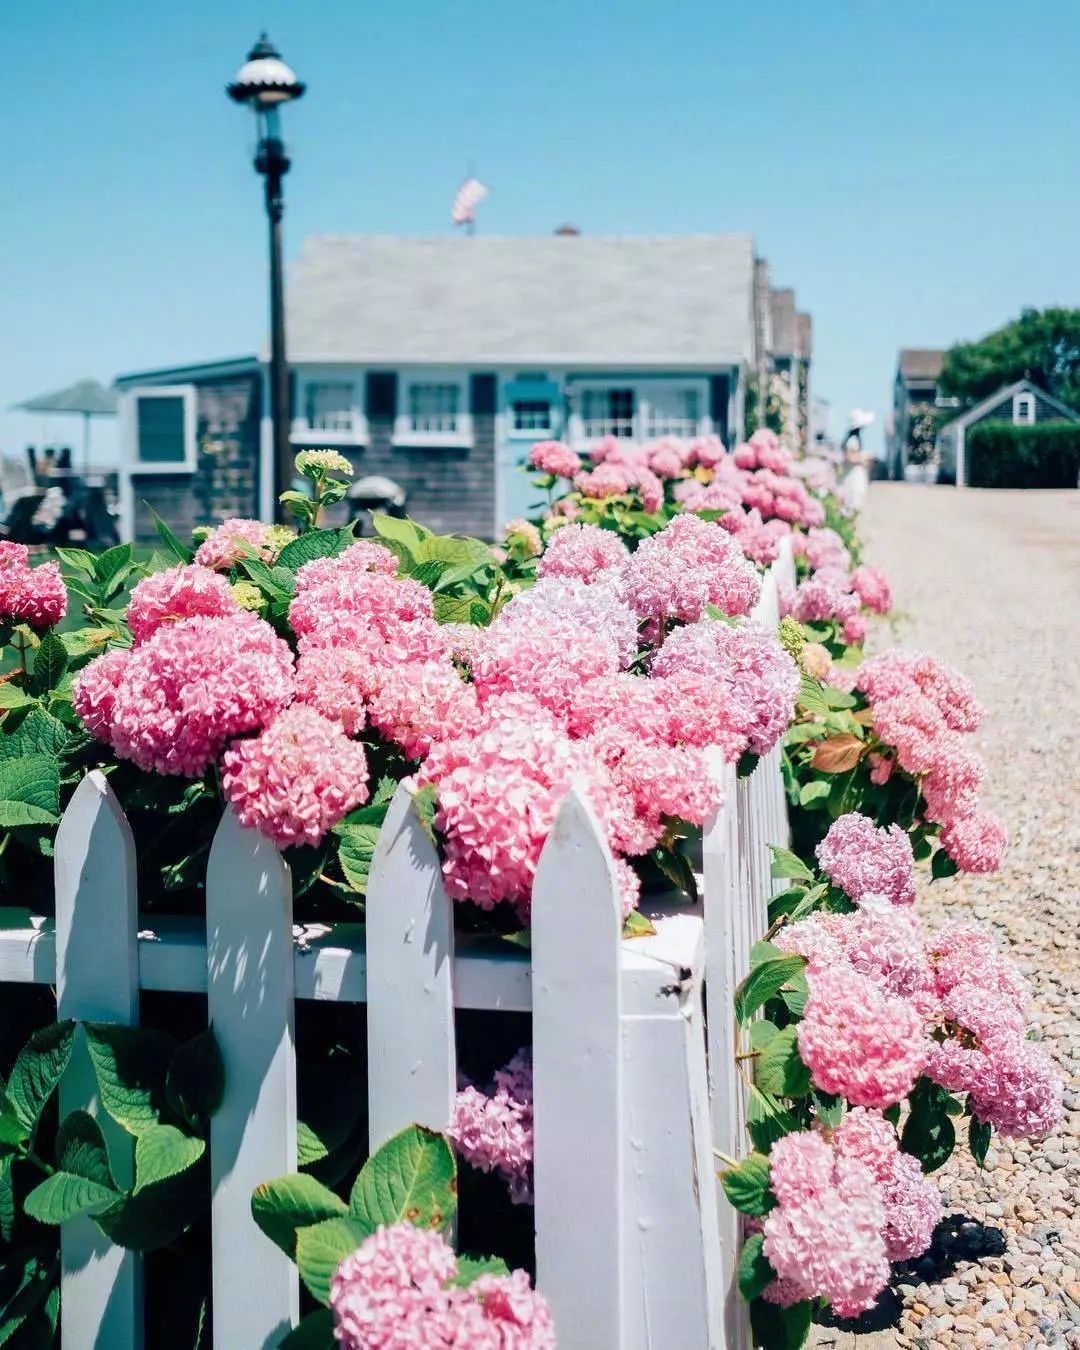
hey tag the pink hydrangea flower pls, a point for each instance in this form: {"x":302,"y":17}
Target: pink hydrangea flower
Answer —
{"x":32,"y":595}
{"x":194,"y":685}
{"x":234,"y":539}
{"x":825,"y":550}
{"x":873,"y":589}
{"x":420,"y":703}
{"x":899,"y":674}
{"x":13,"y":555}
{"x":862,"y":860}
{"x":911,"y":1201}
{"x":707,"y":451}
{"x":913,"y":726}
{"x":825,"y":595}
{"x":339,"y":682}
{"x":976,"y":842}
{"x":858,"y":1041}
{"x":295,"y":780}
{"x":596,"y":607}
{"x":952,"y":785}
{"x":94,"y":692}
{"x":185,"y":592}
{"x":550,"y":659}
{"x":493,"y":1130}
{"x":689,"y":564}
{"x":583,"y":553}
{"x":554,"y":457}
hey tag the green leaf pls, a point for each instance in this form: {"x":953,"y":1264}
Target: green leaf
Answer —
{"x":941,"y":865}
{"x":195,"y":1082}
{"x":763,"y":982}
{"x":356,"y":848}
{"x":762,"y":1032}
{"x":29,"y":791}
{"x":766,"y":1120}
{"x":173,"y":545}
{"x":780,"y":1072}
{"x":39,"y":734}
{"x":401,"y":536}
{"x":12,"y":1129}
{"x":50,"y":662}
{"x":131,"y":1064}
{"x":37,"y":1070}
{"x":637,"y":925}
{"x":754,"y":1269}
{"x":796,"y":993}
{"x":163,"y":1151}
{"x":814,"y":791}
{"x":7,"y":1199}
{"x":789,"y":865}
{"x":777,"y":1328}
{"x":83,"y":1180}
{"x":979,"y":1140}
{"x":157,"y":1214}
{"x":838,"y":698}
{"x":13,"y":698}
{"x":412,"y":1177}
{"x":828,"y":1108}
{"x":112,"y":565}
{"x":929,"y":1133}
{"x":280,"y":587}
{"x":314,"y":544}
{"x":454,"y":608}
{"x":78,"y":558}
{"x":748,"y":762}
{"x":322,"y":1248}
{"x":812,"y":696}
{"x":676,"y":868}
{"x":470,"y":1268}
{"x":315,"y":1332}
{"x":332,"y":1103}
{"x":425,"y":804}
{"x":747,"y":1185}
{"x":288,"y":1204}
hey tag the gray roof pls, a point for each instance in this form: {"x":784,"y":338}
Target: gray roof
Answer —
{"x":487,"y":300}
{"x":921,"y":363}
{"x":979,"y":410}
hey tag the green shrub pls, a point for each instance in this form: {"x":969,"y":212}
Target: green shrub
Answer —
{"x":1002,"y":455}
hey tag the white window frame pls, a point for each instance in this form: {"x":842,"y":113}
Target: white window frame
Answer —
{"x":527,"y":433}
{"x":303,"y":433}
{"x":1027,"y":401}
{"x":405,"y":434}
{"x":129,"y":428}
{"x":644,"y":391}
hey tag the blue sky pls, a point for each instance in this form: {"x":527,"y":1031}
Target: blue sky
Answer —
{"x":910,"y":169}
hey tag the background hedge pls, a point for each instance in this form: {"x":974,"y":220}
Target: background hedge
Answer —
{"x":1002,"y":455}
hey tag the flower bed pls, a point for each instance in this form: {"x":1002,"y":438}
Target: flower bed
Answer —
{"x":299,"y":676}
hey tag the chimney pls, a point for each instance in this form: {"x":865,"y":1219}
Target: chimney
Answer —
{"x":567,"y":231}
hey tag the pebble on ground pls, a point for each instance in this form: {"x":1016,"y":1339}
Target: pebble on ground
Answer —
{"x":989,"y":581}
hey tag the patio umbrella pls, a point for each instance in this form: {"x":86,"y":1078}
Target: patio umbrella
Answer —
{"x":85,"y":397}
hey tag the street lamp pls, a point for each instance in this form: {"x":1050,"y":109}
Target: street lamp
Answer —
{"x":265,"y":82}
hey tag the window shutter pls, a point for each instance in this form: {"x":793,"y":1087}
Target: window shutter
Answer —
{"x":381,"y":398}
{"x":719,"y":393}
{"x":482,"y":395}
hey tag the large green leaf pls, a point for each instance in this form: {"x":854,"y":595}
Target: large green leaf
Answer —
{"x":131,"y":1064}
{"x":314,"y":544}
{"x":283,"y":1207}
{"x":767,"y":1120}
{"x":747,"y":1185}
{"x":929,"y":1133}
{"x":13,"y":698}
{"x":37,"y":1070}
{"x":470,"y":1268}
{"x":315,"y":1332}
{"x":157,"y":1214}
{"x":163,"y":1151}
{"x":332,"y":1101}
{"x":978,"y":1140}
{"x":321,"y":1248}
{"x":83,"y":1180}
{"x":178,"y":550}
{"x":50,"y":662}
{"x":29,"y":791}
{"x":754,"y":1269}
{"x":7,"y":1199}
{"x":779,"y":1071}
{"x":412,"y":1177}
{"x":763,"y":982}
{"x":39,"y":734}
{"x":356,"y":848}
{"x":789,"y":865}
{"x":195,"y":1082}
{"x":777,"y":1328}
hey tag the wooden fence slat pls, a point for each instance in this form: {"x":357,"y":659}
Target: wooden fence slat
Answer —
{"x":97,"y":979}
{"x":412,"y":1058}
{"x":249,"y":954}
{"x":579,"y":1126}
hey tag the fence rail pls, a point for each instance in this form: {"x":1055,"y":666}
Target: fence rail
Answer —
{"x":633,"y":1051}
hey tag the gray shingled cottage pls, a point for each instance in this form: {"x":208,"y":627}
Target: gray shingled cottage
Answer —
{"x":436,"y":363}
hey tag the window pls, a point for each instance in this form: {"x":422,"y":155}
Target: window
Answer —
{"x":161,"y":438}
{"x":1024,"y":410}
{"x":607,"y":412}
{"x":434,"y":408}
{"x":329,"y":406}
{"x":673,"y":412}
{"x":531,"y":414}
{"x":158,"y":428}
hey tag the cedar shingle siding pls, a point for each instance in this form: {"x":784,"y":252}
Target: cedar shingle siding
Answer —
{"x":1003,"y":411}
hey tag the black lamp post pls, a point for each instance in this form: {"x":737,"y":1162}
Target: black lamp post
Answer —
{"x":265,"y":82}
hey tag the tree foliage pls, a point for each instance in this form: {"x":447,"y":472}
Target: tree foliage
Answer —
{"x":1041,"y":345}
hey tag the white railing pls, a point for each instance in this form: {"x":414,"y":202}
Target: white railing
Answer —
{"x":633,"y":1087}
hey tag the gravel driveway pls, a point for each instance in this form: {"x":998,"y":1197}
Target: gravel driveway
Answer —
{"x":990,"y":581}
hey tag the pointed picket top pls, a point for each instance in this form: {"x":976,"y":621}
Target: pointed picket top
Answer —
{"x":412,"y":1052}
{"x":578,"y":1075}
{"x":250,"y":973}
{"x":93,"y":831}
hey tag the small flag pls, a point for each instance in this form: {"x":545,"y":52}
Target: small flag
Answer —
{"x":471,"y":193}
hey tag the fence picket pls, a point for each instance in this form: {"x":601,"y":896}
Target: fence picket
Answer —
{"x":579,"y":1124}
{"x":97,"y":979}
{"x":412,"y":1058}
{"x":249,"y":954}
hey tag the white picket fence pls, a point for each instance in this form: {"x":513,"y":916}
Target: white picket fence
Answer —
{"x":634,"y":1070}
